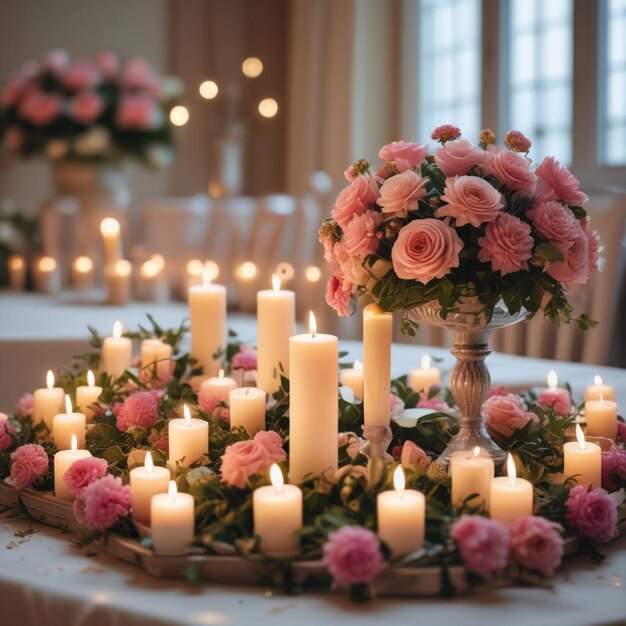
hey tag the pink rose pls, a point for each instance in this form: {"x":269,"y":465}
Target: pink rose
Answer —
{"x":138,"y":112}
{"x":83,"y":472}
{"x":512,"y":170}
{"x":273,"y":445}
{"x":516,"y":140}
{"x":361,"y":236}
{"x":28,"y":463}
{"x":614,"y":468}
{"x":245,"y":359}
{"x":39,"y":108}
{"x":425,"y":249}
{"x":352,"y":556}
{"x":483,"y":544}
{"x":470,"y":200}
{"x":458,"y":157}
{"x":106,"y":501}
{"x":536,"y":544}
{"x":355,"y":199}
{"x":7,"y":433}
{"x":56,"y":61}
{"x":404,"y":154}
{"x":412,"y":454}
{"x":506,"y":414}
{"x":138,"y":409}
{"x":559,"y":399}
{"x":498,"y":390}
{"x":108,"y":63}
{"x":574,"y":269}
{"x":445,"y":132}
{"x":242,"y":460}
{"x":592,"y":513}
{"x":137,"y":74}
{"x":401,"y":193}
{"x":507,"y":244}
{"x":594,"y":244}
{"x":434,"y":403}
{"x":25,"y":405}
{"x":351,"y":173}
{"x":80,"y":75}
{"x":556,"y":182}
{"x":86,"y":107}
{"x":554,"y":222}
{"x":338,"y":295}
{"x":207,"y":401}
{"x":348,"y":267}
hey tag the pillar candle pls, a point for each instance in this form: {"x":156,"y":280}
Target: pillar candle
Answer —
{"x":352,"y":378}
{"x":145,"y":482}
{"x":172,"y":518}
{"x":117,"y":352}
{"x":67,"y":425}
{"x":111,"y":238}
{"x":313,"y":404}
{"x":377,"y":332}
{"x":87,"y":395}
{"x":155,"y":351}
{"x":420,"y":379}
{"x":471,"y":472}
{"x":276,"y":322}
{"x":247,"y":409}
{"x":582,"y":460}
{"x":219,"y":386}
{"x":46,"y":275}
{"x":47,"y":402}
{"x":601,"y":418}
{"x":401,"y":517}
{"x":188,"y":439}
{"x":117,"y":282}
{"x":62,"y":462}
{"x":16,"y":266}
{"x":599,"y":390}
{"x":510,"y":497}
{"x":277,"y":513}
{"x":82,"y":273}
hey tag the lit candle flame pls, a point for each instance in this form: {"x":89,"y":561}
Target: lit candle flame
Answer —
{"x":148,"y":463}
{"x":246,"y":271}
{"x":552,"y":379}
{"x":312,"y":324}
{"x":399,"y":480}
{"x":276,"y":476}
{"x":597,"y":380}
{"x":91,"y":379}
{"x":158,"y":260}
{"x":150,"y":268}
{"x":510,"y":468}
{"x":312,"y":273}
{"x":476,"y":452}
{"x":358,"y":366}
{"x":83,"y":264}
{"x":123,"y":268}
{"x":275,"y":282}
{"x":580,"y":437}
{"x":426,"y":361}
{"x":50,"y":379}
{"x":47,"y":264}
{"x":74,"y":443}
{"x":172,"y":491}
{"x":187,"y":415}
{"x":109,"y":226}
{"x":195,"y":267}
{"x":117,"y":330}
{"x":68,"y":404}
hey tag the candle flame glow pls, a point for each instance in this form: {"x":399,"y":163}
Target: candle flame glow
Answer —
{"x":476,"y":451}
{"x":148,"y":463}
{"x":206,"y":275}
{"x":426,"y":361}
{"x":275,"y":282}
{"x":150,"y":268}
{"x":276,"y":476}
{"x":312,"y":273}
{"x":195,"y":267}
{"x":123,"y":268}
{"x":50,"y":379}
{"x":580,"y":437}
{"x":597,"y":380}
{"x":47,"y":264}
{"x":187,"y":415}
{"x":510,"y":468}
{"x":246,"y":271}
{"x":358,"y":366}
{"x":83,"y":264}
{"x":172,"y":491}
{"x":91,"y":379}
{"x":552,"y":379}
{"x":16,"y":262}
{"x":210,"y":271}
{"x":68,"y":404}
{"x":74,"y":443}
{"x":399,"y":480}
{"x":312,"y":324}
{"x":117,"y":330}
{"x":109,"y":226}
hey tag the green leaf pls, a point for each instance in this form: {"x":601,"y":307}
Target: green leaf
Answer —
{"x":549,"y":252}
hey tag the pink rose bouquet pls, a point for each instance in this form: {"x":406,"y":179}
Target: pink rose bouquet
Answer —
{"x":537,"y":544}
{"x":592,"y":513}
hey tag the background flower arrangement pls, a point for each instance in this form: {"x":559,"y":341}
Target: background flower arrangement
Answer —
{"x":100,"y":109}
{"x":466,"y":221}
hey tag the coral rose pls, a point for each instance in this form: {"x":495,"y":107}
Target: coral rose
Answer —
{"x":592,"y":513}
{"x":507,"y":244}
{"x":536,"y":544}
{"x":554,"y":222}
{"x":28,"y":463}
{"x":83,"y":472}
{"x":506,"y":414}
{"x":356,"y":198}
{"x":361,"y":236}
{"x":7,"y":433}
{"x":483,"y":543}
{"x":426,"y":249}
{"x":243,"y":459}
{"x":470,"y":200}
{"x":559,"y":399}
{"x":400,"y":194}
{"x":512,"y":170}
{"x":404,"y":154}
{"x":86,"y":107}
{"x":458,"y":157}
{"x":556,"y":182}
{"x":106,"y":501}
{"x":574,"y":269}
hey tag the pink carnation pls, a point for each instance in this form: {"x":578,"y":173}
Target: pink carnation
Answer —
{"x":83,"y":472}
{"x":273,"y":445}
{"x":483,"y":543}
{"x":245,"y":359}
{"x":242,"y":460}
{"x":139,"y":409}
{"x":352,"y":556}
{"x":412,"y":454}
{"x":108,"y":63}
{"x":445,"y":132}
{"x":505,"y":414}
{"x":7,"y":433}
{"x":470,"y":200}
{"x":592,"y":513}
{"x":401,"y":193}
{"x":159,"y":441}
{"x":614,"y":468}
{"x":25,"y":405}
{"x":207,"y":401}
{"x":106,"y":502}
{"x":138,"y":112}
{"x":348,"y":267}
{"x":559,"y":399}
{"x":507,"y":244}
{"x":556,"y":182}
{"x":512,"y":170}
{"x":554,"y":222}
{"x":516,"y":140}
{"x":404,"y":154}
{"x":86,"y":107}
{"x":361,"y":236}
{"x":458,"y":158}
{"x":28,"y":463}
{"x":356,"y":198}
{"x":536,"y":544}
{"x":80,"y":75}
{"x":338,"y":294}
{"x":574,"y":269}
{"x":39,"y":108}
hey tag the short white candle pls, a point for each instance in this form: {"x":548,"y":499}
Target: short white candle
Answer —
{"x":112,"y":240}
{"x":47,"y":402}
{"x":156,"y":357}
{"x":582,"y":460}
{"x":247,"y":409}
{"x":146,"y":482}
{"x":117,"y":352}
{"x":401,"y":516}
{"x":471,"y":472}
{"x":82,"y":273}
{"x":599,"y":389}
{"x":16,"y":266}
{"x":601,"y":418}
{"x":172,"y":519}
{"x":67,"y":425}
{"x":188,"y":439}
{"x":420,"y":379}
{"x":511,"y":497}
{"x":219,"y":386}
{"x":352,"y":378}
{"x":47,"y":276}
{"x":62,"y":462}
{"x":277,"y":512}
{"x":87,"y":395}
{"x":117,"y":282}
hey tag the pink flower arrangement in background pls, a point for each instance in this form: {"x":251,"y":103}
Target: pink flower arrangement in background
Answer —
{"x":504,"y":414}
{"x":105,"y":502}
{"x":592,"y":513}
{"x":536,"y":544}
{"x":245,"y":359}
{"x":138,"y":409}
{"x":483,"y":543}
{"x":25,"y":405}
{"x":7,"y":433}
{"x":28,"y":463}
{"x":208,"y":402}
{"x":458,"y":158}
{"x":83,"y":472}
{"x":614,"y":468}
{"x":355,"y":199}
{"x":558,"y":399}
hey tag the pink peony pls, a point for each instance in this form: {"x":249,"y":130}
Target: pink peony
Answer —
{"x":507,"y":244}
{"x":138,"y":112}
{"x":40,"y":109}
{"x":470,"y":200}
{"x":559,"y":399}
{"x":25,"y":405}
{"x":245,"y":359}
{"x":554,"y":222}
{"x":506,"y":414}
{"x":536,"y":544}
{"x":614,"y":468}
{"x":138,"y":409}
{"x":356,"y":198}
{"x":159,"y":441}
{"x":574,"y":269}
{"x":426,"y":249}
{"x":361,"y":236}
{"x":28,"y":463}
{"x":556,"y":182}
{"x":338,"y":294}
{"x":207,"y":401}
{"x":273,"y":445}
{"x":106,"y":501}
{"x":512,"y":170}
{"x":80,"y":75}
{"x":404,"y":154}
{"x":412,"y":454}
{"x":242,"y":460}
{"x":83,"y":472}
{"x":518,"y":142}
{"x":7,"y":433}
{"x":483,"y":543}
{"x":352,"y":556}
{"x":498,"y":390}
{"x":86,"y":107}
{"x":400,"y":194}
{"x":592,"y":513}
{"x":458,"y":158}
{"x":445,"y":132}
{"x":108,"y":63}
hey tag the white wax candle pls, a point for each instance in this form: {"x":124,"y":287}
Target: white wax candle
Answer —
{"x":117,"y":352}
{"x":582,"y":460}
{"x":188,"y":440}
{"x":511,"y":497}
{"x":601,"y":418}
{"x":471,"y":472}
{"x":117,"y":282}
{"x":66,"y":425}
{"x":62,"y":462}
{"x":219,"y":386}
{"x":420,"y":379}
{"x":277,"y":513}
{"x":247,"y":409}
{"x":46,"y":275}
{"x":377,"y":332}
{"x":82,"y":273}
{"x":111,"y":238}
{"x":401,"y":516}
{"x":352,"y":378}
{"x":276,"y":322}
{"x":172,"y":519}
{"x":16,"y":266}
{"x":47,"y":402}
{"x":146,"y":482}
{"x":599,"y":389}
{"x":156,"y":354}
{"x":313,"y":404}
{"x":87,"y":395}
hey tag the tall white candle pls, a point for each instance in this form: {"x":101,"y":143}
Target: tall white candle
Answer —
{"x":117,"y":352}
{"x":87,"y":395}
{"x":511,"y":497}
{"x":247,"y":409}
{"x":377,"y":333}
{"x":471,"y":472}
{"x":47,"y":402}
{"x":420,"y":379}
{"x":145,"y":482}
{"x":352,"y":378}
{"x":599,"y":389}
{"x":82,"y":273}
{"x":117,"y":281}
{"x":67,"y":425}
{"x":112,"y":240}
{"x":155,"y":357}
{"x":277,"y":513}
{"x":276,"y":322}
{"x":16,"y":266}
{"x":313,"y":404}
{"x":601,"y":418}
{"x":188,"y":439}
{"x":219,"y":386}
{"x":582,"y":460}
{"x":63,"y":460}
{"x":172,"y":519}
{"x":401,"y":516}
